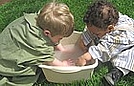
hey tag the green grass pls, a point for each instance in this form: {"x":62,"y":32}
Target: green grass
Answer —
{"x":16,"y":8}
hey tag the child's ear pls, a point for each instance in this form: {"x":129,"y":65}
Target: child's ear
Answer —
{"x":47,"y":32}
{"x":110,"y":28}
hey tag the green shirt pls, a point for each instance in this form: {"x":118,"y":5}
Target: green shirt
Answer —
{"x":22,"y":47}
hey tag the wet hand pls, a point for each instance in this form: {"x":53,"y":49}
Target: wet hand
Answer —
{"x":80,"y":62}
{"x":69,"y":62}
{"x":83,"y":59}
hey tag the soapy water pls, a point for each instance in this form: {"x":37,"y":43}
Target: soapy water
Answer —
{"x":71,"y":52}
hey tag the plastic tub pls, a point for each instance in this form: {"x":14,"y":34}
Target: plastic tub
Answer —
{"x":60,"y":74}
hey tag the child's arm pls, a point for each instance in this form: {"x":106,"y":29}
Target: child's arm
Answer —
{"x":85,"y":41}
{"x":81,"y":61}
{"x":57,"y":62}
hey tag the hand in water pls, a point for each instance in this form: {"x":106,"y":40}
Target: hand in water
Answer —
{"x":80,"y":62}
{"x":83,"y":59}
{"x":69,"y":62}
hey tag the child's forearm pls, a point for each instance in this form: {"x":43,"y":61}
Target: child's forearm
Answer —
{"x":84,"y":59}
{"x":57,"y":62}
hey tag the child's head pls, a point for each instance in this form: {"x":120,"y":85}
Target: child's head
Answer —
{"x":101,"y":14}
{"x":56,"y":18}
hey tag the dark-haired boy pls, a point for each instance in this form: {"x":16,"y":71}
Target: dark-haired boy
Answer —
{"x":110,"y":37}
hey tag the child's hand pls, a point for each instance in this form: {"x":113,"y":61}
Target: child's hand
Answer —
{"x":81,"y":61}
{"x":57,"y":62}
{"x":69,"y":62}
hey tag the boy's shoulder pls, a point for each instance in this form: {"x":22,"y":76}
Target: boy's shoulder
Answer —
{"x":31,"y":18}
{"x":125,"y":27}
{"x":125,"y":20}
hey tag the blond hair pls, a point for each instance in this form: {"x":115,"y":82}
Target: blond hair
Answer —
{"x":57,"y":18}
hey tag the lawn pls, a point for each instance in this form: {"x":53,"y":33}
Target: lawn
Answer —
{"x":16,"y":8}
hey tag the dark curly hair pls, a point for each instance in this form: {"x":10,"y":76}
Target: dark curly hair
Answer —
{"x":101,"y":13}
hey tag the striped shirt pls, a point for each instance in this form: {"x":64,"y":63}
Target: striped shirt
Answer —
{"x":116,"y":46}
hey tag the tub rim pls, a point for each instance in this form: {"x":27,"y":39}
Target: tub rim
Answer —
{"x":69,"y":69}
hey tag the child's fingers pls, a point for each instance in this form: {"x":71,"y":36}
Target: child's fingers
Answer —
{"x":80,"y":62}
{"x":71,"y":62}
